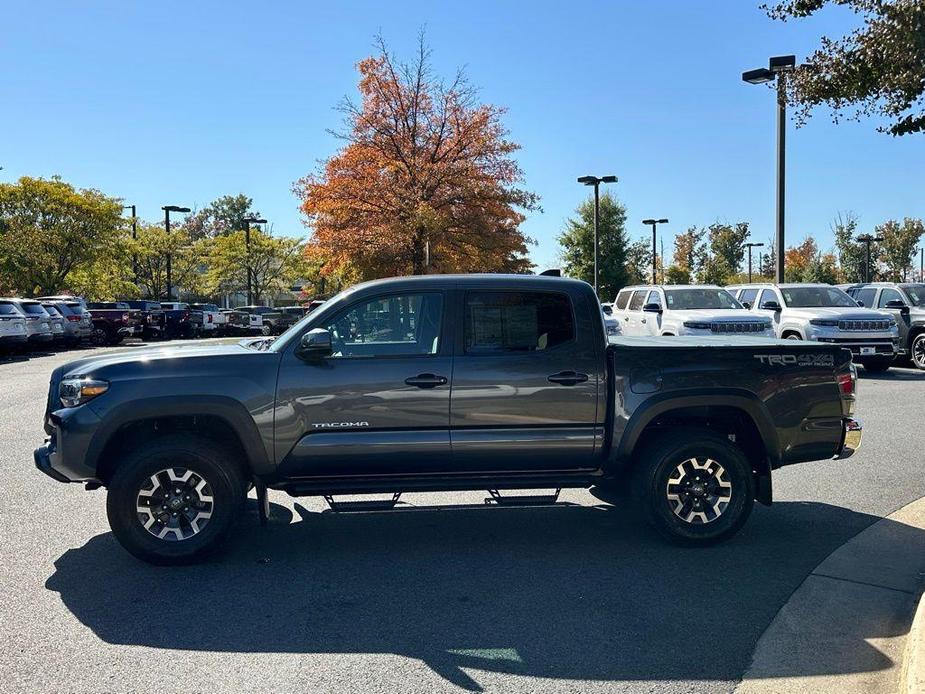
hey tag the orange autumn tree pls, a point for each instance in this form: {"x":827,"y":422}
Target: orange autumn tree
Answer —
{"x":425,"y":165}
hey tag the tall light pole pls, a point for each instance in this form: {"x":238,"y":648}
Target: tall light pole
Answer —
{"x":922,"y":264}
{"x":134,"y":236}
{"x":750,"y":247}
{"x":252,"y":219}
{"x":867,"y":239}
{"x":596,"y":182}
{"x":778,"y":68}
{"x":654,"y":223}
{"x":167,"y":210}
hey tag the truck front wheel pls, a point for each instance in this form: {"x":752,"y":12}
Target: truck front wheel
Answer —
{"x":694,"y":487}
{"x":174,"y":500}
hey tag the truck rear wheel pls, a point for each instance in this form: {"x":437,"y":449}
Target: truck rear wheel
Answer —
{"x":174,"y":500}
{"x":694,"y":487}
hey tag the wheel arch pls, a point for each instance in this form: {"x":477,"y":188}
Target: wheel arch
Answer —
{"x":726,"y":411}
{"x":222,"y":419}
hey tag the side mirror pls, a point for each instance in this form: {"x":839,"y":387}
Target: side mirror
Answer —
{"x":652,"y":308}
{"x":897,"y":304}
{"x":771,"y":306}
{"x":861,"y":304}
{"x":747,"y":304}
{"x":315,"y":344}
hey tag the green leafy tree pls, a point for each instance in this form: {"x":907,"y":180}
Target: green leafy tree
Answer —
{"x":577,"y":242}
{"x":275,"y":263}
{"x":690,"y":250}
{"x":727,"y":250}
{"x":877,"y":69}
{"x":767,"y":263}
{"x":898,"y":246}
{"x":639,"y":262}
{"x":851,"y":254}
{"x":48,"y":228}
{"x":677,"y":275}
{"x":187,"y":260}
{"x":822,"y":268}
{"x":220,"y":217}
{"x":715,"y":271}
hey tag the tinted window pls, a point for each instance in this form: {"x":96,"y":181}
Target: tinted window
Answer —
{"x":866,"y":296}
{"x":52,"y":311}
{"x":66,"y":310}
{"x":400,"y":325}
{"x":767,"y":295}
{"x":816,"y":297}
{"x":623,"y":299}
{"x":887,"y":295}
{"x":916,"y":293}
{"x":686,"y":299}
{"x":748,"y":295}
{"x":517,"y":322}
{"x":33,"y":309}
{"x":638,"y":300}
{"x":8,"y":309}
{"x":654,"y":298}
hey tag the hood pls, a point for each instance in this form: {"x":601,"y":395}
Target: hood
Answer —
{"x":717,"y":315}
{"x":838,"y":313}
{"x":156,"y":355}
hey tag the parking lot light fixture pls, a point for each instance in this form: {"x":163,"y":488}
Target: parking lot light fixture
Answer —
{"x":251,"y":219}
{"x":867,"y":239}
{"x":596,"y":182}
{"x":750,"y":247}
{"x":778,"y":68}
{"x":167,"y":210}
{"x":654,"y":223}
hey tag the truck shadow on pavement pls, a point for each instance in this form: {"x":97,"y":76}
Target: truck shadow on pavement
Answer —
{"x":576,"y":592}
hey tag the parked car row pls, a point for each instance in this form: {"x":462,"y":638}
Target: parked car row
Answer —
{"x":879,"y":322}
{"x":65,"y":320}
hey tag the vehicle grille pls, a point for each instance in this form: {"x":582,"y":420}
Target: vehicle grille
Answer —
{"x":862,"y":325}
{"x":727,"y":327}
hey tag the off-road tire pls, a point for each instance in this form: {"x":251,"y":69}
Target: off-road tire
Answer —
{"x":209,"y":461}
{"x":658,"y":462}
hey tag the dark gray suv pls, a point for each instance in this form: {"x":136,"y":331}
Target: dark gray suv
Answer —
{"x":906,"y":301}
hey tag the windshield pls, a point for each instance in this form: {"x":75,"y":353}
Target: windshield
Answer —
{"x":817,"y":297}
{"x":915,"y":293}
{"x":685,"y":299}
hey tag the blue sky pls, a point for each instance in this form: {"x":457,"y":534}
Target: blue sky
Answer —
{"x":181,"y":102}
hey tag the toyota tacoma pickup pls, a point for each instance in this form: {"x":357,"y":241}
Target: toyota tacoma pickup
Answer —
{"x":435,"y":383}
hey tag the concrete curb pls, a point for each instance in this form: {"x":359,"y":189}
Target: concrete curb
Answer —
{"x":913,"y":674}
{"x":845,"y":628}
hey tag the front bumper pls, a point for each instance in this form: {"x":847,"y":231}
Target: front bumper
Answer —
{"x":64,"y":454}
{"x":851,"y":438}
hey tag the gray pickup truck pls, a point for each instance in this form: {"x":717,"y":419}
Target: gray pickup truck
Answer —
{"x":444,"y":383}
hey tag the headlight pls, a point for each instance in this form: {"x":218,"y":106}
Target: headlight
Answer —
{"x":824,"y":322}
{"x":76,"y":391}
{"x":697,"y":325}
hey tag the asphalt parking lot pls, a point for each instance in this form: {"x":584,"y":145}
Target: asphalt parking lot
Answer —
{"x":580,"y":596}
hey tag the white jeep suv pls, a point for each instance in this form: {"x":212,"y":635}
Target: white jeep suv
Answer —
{"x":825,"y":313}
{"x":686,"y":310}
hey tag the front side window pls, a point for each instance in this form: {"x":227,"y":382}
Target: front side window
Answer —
{"x":888,"y":295}
{"x":638,"y":300}
{"x":817,"y":297}
{"x":866,"y":296}
{"x":654,"y":298}
{"x":391,"y":326}
{"x":748,"y":296}
{"x":688,"y":299}
{"x":766,"y":296}
{"x":502,"y":322}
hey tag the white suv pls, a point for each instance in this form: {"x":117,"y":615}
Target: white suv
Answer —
{"x":686,"y":310}
{"x":825,"y":313}
{"x":12,"y":326}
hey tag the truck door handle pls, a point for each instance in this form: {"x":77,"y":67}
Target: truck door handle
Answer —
{"x":643,"y":320}
{"x":567,"y":378}
{"x":426,"y":381}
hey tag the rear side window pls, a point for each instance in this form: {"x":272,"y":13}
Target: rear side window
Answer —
{"x":502,"y":322}
{"x":638,"y":299}
{"x":623,"y":299}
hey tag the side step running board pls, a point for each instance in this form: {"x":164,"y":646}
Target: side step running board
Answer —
{"x":363,"y":505}
{"x":522,"y":500}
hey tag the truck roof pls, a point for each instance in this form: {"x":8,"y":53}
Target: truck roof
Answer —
{"x":476,"y":279}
